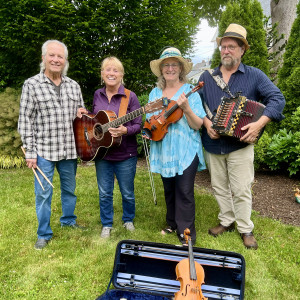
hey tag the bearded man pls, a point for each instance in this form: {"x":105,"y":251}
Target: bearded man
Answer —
{"x":229,"y":160}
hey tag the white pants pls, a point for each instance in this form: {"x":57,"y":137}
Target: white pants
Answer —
{"x":232,"y":175}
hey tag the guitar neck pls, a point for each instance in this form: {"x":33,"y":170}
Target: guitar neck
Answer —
{"x":116,"y":123}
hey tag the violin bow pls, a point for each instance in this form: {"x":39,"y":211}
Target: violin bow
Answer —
{"x":149,"y":170}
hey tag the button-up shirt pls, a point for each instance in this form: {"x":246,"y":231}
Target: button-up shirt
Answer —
{"x":46,"y":118}
{"x":128,"y":146}
{"x":254,"y":85}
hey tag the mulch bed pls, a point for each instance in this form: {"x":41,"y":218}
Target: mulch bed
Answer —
{"x":273,"y":195}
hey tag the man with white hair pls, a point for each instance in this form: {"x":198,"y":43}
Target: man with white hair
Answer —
{"x":48,"y":106}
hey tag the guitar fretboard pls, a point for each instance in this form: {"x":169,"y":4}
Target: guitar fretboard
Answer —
{"x":116,"y":123}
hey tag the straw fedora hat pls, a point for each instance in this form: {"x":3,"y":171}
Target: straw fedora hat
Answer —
{"x":235,"y":31}
{"x":167,"y":53}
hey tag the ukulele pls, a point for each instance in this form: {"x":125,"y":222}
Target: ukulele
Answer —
{"x":92,"y":137}
{"x":190,"y":274}
{"x":156,"y":127}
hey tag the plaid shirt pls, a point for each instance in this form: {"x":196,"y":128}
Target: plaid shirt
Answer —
{"x":46,"y":118}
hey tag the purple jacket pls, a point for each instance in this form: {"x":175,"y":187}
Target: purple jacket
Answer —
{"x":128,"y":147}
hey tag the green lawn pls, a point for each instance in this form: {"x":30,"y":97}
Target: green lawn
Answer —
{"x":78,"y":264}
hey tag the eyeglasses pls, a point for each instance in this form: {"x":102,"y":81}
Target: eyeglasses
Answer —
{"x":173,"y":66}
{"x":229,"y":48}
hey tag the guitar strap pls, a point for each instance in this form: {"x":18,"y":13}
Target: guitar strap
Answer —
{"x":124,"y":103}
{"x":222,"y":85}
{"x":220,"y":82}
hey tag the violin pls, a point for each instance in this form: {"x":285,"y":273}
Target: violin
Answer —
{"x":156,"y":127}
{"x":190,"y":274}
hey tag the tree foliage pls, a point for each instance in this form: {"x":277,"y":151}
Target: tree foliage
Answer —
{"x":134,"y":31}
{"x":210,"y":10}
{"x":249,"y":14}
{"x":289,"y":74}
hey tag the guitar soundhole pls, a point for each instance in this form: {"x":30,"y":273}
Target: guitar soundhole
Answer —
{"x":98,"y":132}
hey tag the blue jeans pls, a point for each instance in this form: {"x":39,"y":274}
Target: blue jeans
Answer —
{"x":67,"y":173}
{"x":125,"y":172}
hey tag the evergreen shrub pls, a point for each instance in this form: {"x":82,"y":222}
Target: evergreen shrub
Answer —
{"x":289,"y":74}
{"x":249,"y":14}
{"x":10,"y":142}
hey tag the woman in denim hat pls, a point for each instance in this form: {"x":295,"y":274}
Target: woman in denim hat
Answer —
{"x":178,"y":156}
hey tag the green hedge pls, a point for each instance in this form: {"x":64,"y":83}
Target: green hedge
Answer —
{"x":10,"y":142}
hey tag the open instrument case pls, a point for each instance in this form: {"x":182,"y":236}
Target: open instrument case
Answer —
{"x":146,"y":271}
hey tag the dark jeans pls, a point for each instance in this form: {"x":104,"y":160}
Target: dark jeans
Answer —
{"x":180,"y":200}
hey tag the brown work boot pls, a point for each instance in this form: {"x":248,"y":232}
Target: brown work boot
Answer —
{"x":249,"y":240}
{"x":215,"y":231}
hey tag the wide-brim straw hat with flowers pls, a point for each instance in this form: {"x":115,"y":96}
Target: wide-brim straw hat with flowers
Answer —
{"x":235,"y":31}
{"x":168,"y":53}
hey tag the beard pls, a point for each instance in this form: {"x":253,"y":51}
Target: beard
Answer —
{"x":229,"y":63}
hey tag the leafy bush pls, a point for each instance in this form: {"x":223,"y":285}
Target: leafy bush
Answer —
{"x":280,"y":151}
{"x":284,"y":152}
{"x":260,"y":151}
{"x":294,"y":123}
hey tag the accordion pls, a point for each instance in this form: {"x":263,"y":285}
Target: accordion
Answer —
{"x":234,"y":113}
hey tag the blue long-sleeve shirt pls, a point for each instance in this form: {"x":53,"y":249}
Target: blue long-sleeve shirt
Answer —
{"x":254,"y":85}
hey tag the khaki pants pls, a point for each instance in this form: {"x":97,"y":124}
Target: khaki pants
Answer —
{"x":232,"y":175}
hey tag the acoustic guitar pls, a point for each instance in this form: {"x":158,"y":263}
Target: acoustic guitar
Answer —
{"x":91,"y":133}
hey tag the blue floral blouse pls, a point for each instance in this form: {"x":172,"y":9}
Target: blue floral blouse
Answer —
{"x":176,"y":151}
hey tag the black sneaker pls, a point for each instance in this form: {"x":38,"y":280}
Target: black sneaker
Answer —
{"x":40,"y":244}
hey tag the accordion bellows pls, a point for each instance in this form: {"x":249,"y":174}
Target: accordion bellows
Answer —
{"x":234,"y":113}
